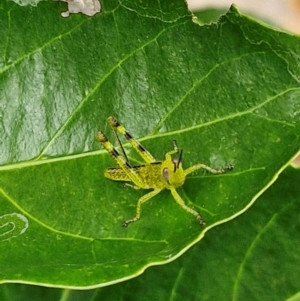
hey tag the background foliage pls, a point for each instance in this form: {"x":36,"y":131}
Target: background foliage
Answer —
{"x":227,"y":92}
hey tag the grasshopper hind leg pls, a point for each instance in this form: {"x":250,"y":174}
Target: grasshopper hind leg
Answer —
{"x":141,"y":150}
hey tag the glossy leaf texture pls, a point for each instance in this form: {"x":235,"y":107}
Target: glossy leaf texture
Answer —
{"x":254,"y":257}
{"x":227,"y":92}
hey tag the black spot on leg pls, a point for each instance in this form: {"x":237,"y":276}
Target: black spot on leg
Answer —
{"x":156,"y":163}
{"x":114,"y":122}
{"x":128,"y":136}
{"x":141,"y":148}
{"x":127,"y":164}
{"x":115,"y":153}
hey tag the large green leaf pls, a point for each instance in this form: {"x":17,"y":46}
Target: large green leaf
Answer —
{"x":255,"y":257}
{"x":227,"y":92}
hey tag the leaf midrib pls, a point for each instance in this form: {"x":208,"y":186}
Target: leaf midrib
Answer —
{"x":39,"y":161}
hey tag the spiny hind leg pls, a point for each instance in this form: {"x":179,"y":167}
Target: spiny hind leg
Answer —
{"x":116,"y":126}
{"x":181,"y":203}
{"x":211,"y":170}
{"x":140,"y":202}
{"x":120,"y":160}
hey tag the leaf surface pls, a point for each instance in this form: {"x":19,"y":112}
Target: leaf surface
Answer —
{"x":227,"y":92}
{"x":256,"y":256}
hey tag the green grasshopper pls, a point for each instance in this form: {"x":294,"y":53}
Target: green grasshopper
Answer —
{"x":156,"y":175}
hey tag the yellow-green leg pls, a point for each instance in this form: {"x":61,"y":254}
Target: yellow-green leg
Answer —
{"x":121,"y":161}
{"x":141,"y":201}
{"x":180,"y":201}
{"x":169,"y":154}
{"x":114,"y":123}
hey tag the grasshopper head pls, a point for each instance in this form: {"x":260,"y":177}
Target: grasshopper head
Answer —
{"x":172,"y":172}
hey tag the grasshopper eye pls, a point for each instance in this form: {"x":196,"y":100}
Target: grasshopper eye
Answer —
{"x":166,"y":174}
